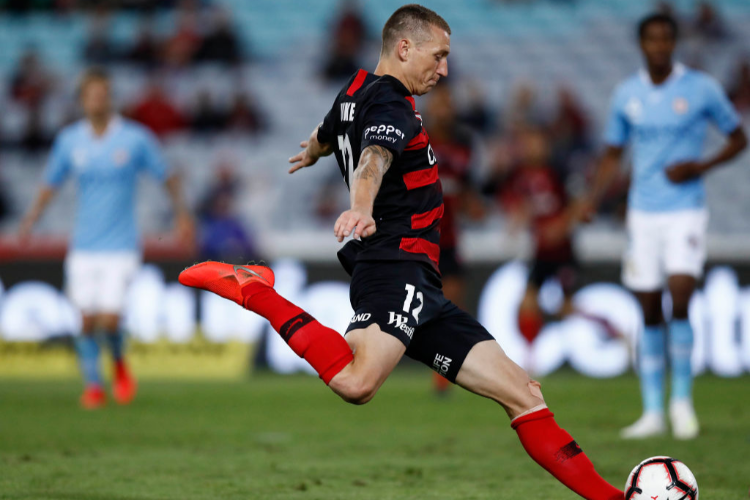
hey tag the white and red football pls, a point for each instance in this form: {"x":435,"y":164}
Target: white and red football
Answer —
{"x":661,"y":478}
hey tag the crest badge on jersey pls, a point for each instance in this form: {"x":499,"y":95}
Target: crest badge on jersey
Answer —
{"x":680,"y":105}
{"x":79,"y":157}
{"x":120,"y":157}
{"x":634,"y":109}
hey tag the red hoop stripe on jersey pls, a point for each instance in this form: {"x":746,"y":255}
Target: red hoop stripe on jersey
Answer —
{"x":412,"y":102}
{"x":421,"y":221}
{"x":420,"y":141}
{"x":420,"y":245}
{"x":421,"y":178}
{"x":357,"y":83}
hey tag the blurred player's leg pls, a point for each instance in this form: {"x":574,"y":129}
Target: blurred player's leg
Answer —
{"x":487,"y":371}
{"x":686,"y":247}
{"x":530,"y":317}
{"x":117,"y":270}
{"x":651,"y":362}
{"x":454,"y":288}
{"x":682,"y":415}
{"x":88,"y":358}
{"x":81,"y":282}
{"x":124,"y":386}
{"x":643,"y":273}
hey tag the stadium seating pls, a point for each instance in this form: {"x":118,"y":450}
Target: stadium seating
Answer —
{"x":586,"y":44}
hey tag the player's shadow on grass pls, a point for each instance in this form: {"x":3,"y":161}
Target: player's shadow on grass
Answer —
{"x":81,"y":496}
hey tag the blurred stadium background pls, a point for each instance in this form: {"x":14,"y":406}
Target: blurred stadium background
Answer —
{"x":232,"y":86}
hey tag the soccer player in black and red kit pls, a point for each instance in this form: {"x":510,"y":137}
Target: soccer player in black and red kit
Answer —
{"x":386,"y":159}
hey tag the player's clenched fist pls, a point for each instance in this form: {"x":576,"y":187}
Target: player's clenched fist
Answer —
{"x":360,"y":223}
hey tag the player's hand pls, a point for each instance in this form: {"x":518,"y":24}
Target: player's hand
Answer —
{"x":357,"y":223}
{"x":185,"y":229}
{"x":584,"y":211}
{"x":24,"y":229}
{"x":303,"y":158}
{"x":685,"y":171}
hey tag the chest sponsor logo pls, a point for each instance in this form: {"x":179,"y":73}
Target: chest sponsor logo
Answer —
{"x":79,"y":156}
{"x":680,"y":105}
{"x":358,"y":318}
{"x":384,"y":133}
{"x":400,"y":322}
{"x":120,"y":157}
{"x":347,"y":111}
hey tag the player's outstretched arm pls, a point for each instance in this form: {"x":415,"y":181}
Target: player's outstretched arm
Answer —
{"x":184,"y":225}
{"x":373,"y":164}
{"x":606,"y":172}
{"x":43,"y":197}
{"x":681,"y":172}
{"x":313,"y":150}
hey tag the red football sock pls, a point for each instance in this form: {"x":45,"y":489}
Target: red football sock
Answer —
{"x":322,"y":347}
{"x":554,"y":449}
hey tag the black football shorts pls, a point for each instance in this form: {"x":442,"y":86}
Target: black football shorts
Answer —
{"x":405,"y":299}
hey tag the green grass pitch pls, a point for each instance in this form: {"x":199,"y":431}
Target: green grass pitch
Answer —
{"x":290,"y":438}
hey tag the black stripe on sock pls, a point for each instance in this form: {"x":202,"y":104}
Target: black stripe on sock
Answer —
{"x":567,"y":452}
{"x":290,"y":327}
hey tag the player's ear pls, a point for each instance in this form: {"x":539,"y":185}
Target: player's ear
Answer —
{"x":402,"y":49}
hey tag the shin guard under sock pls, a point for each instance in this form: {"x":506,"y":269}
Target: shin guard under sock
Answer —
{"x":326,"y":351}
{"x":556,"y":451}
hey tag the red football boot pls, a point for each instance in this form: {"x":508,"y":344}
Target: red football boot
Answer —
{"x":124,"y":386}
{"x":226,"y":280}
{"x":93,"y":397}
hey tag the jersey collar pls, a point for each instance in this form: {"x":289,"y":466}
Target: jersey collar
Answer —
{"x":397,"y":84}
{"x":115,"y":123}
{"x":678,"y":69}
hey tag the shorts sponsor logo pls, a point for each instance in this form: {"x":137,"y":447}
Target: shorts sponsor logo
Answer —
{"x":441,"y":364}
{"x":387,"y":133}
{"x":400,"y":322}
{"x":357,"y":318}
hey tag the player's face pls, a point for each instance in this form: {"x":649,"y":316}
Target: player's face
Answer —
{"x":95,"y":98}
{"x":658,"y":44}
{"x":430,"y":61}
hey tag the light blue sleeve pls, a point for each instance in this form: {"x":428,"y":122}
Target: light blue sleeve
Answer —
{"x":151,"y":158}
{"x":618,"y":128}
{"x":58,"y":163}
{"x":719,"y":108}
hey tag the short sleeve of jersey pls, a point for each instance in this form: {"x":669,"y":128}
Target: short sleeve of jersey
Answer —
{"x":151,"y":157}
{"x":719,"y":108}
{"x":618,"y":128}
{"x":389,"y":124}
{"x":326,"y":131}
{"x":58,"y":164}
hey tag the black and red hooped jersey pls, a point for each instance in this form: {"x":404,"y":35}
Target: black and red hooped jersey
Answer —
{"x":379,"y":110}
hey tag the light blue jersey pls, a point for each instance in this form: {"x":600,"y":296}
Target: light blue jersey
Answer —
{"x":667,"y":124}
{"x":105,"y":169}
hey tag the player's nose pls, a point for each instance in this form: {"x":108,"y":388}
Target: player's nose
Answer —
{"x":443,"y":68}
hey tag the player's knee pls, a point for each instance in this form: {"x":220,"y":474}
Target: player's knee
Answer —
{"x":680,"y":304}
{"x":357,"y":391}
{"x":652,"y":317}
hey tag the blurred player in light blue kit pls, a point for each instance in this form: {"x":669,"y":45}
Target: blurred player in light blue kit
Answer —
{"x":104,"y":153}
{"x":663,"y":111}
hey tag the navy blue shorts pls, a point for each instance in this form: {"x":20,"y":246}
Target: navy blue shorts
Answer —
{"x":405,"y":299}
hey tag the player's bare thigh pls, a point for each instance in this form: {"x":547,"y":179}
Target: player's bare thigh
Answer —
{"x":376,"y":354}
{"x":489,"y":372}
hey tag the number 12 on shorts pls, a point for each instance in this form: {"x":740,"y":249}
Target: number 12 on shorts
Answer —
{"x":410,"y":289}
